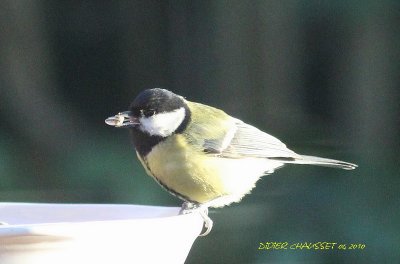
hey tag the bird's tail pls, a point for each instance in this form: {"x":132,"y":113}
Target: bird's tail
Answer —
{"x":311,"y":160}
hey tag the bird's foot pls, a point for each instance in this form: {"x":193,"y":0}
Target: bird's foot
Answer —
{"x":188,"y":207}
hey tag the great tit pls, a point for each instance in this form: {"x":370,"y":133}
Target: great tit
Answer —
{"x":201,"y":154}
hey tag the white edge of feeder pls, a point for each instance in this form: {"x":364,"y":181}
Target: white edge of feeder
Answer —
{"x":95,"y":233}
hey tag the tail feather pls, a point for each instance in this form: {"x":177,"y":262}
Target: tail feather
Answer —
{"x":311,"y":160}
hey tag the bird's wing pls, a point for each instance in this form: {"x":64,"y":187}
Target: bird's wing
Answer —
{"x":243,"y":140}
{"x":216,"y":133}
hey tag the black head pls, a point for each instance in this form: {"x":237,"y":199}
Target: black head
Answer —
{"x":153,"y":116}
{"x":155,"y":101}
{"x":158,"y":114}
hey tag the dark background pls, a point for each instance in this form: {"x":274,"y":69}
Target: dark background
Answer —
{"x":323,"y":76}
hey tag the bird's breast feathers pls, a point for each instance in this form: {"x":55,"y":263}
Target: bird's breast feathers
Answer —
{"x":189,"y":172}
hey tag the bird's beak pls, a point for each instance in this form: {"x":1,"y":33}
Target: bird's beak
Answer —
{"x":123,"y":119}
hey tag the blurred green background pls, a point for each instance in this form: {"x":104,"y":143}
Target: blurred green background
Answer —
{"x":323,"y":76}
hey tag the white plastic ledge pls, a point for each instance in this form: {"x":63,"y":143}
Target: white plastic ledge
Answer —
{"x":95,"y":233}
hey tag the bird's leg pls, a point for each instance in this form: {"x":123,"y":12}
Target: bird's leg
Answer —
{"x":188,"y":207}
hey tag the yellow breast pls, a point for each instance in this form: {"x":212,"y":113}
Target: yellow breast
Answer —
{"x":200,"y":177}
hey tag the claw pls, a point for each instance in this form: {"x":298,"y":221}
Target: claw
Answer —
{"x":208,"y":223}
{"x":188,"y":207}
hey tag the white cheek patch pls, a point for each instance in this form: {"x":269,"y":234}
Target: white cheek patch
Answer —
{"x":162,"y":124}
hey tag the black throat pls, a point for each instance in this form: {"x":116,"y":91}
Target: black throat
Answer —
{"x":143,"y":142}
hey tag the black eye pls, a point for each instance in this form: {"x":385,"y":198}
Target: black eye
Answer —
{"x":148,"y":112}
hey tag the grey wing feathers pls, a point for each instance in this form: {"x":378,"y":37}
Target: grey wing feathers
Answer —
{"x":244,"y":140}
{"x":311,"y":160}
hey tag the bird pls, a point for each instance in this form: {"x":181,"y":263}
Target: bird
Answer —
{"x":201,"y":154}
